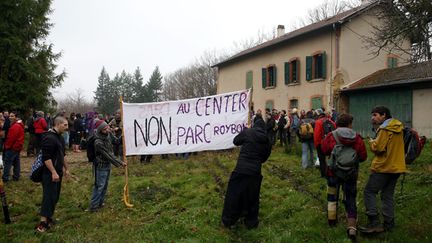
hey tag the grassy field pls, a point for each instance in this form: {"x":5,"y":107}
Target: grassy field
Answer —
{"x":181,"y":201}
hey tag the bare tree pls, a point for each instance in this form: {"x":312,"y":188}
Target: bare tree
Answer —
{"x":76,"y":102}
{"x":195,"y":80}
{"x":402,"y":20}
{"x":327,"y":9}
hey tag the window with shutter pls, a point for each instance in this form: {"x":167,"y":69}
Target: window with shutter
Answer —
{"x":309,"y":61}
{"x":287,"y":73}
{"x":249,"y":80}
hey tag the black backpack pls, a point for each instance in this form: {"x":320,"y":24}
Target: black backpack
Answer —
{"x":91,"y":153}
{"x":328,"y":127}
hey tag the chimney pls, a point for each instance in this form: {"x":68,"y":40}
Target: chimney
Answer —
{"x":280,"y":30}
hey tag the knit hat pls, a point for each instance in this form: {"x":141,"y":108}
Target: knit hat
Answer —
{"x":100,"y":124}
{"x":294,"y":110}
{"x":319,"y":112}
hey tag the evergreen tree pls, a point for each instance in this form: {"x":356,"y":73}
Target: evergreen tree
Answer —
{"x":27,"y":61}
{"x":154,"y":86}
{"x":138,"y":86}
{"x":102,"y":94}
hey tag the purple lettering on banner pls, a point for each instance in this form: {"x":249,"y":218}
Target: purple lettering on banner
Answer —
{"x":243,"y":97}
{"x":183,"y":108}
{"x":226,"y":102}
{"x":205,"y":127}
{"x":217,"y":105}
{"x":196,"y":107}
{"x":230,"y":128}
{"x":216,"y":130}
{"x":233,"y":106}
{"x":207,"y":106}
{"x":189,"y":134}
{"x":181,"y":131}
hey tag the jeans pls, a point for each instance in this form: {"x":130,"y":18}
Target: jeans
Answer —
{"x":100,"y":187}
{"x":66,"y":138}
{"x":11,"y":158}
{"x":384,"y":183}
{"x":307,"y":149}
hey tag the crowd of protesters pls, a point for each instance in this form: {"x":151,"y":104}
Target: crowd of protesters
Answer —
{"x":315,"y":130}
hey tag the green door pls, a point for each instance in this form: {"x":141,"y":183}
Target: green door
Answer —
{"x":399,"y":101}
{"x":316,"y":103}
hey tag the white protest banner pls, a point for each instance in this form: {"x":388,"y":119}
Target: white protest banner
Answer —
{"x":206,"y":123}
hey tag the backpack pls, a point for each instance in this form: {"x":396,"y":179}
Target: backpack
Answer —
{"x":295,"y":122}
{"x":37,"y":168}
{"x":413,"y":144}
{"x":328,"y":127}
{"x":306,"y":131}
{"x":343,"y":159}
{"x":91,"y":153}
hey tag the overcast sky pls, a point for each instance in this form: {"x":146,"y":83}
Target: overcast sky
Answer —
{"x":123,"y":35}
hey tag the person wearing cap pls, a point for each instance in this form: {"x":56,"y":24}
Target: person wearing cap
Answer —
{"x":102,"y":166}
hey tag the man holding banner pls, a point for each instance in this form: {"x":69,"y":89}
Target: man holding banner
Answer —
{"x":242,"y":196}
{"x":102,"y":166}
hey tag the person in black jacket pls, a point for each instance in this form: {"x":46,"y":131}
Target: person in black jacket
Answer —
{"x":242,"y":196}
{"x":102,"y":167}
{"x":53,"y":152}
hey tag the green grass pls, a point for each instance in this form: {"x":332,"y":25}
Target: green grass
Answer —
{"x":181,"y":201}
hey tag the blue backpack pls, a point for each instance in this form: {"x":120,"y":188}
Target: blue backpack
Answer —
{"x":37,"y":168}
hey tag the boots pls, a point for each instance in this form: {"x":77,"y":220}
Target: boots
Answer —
{"x":352,"y":228}
{"x":373,"y":226}
{"x":389,"y":224}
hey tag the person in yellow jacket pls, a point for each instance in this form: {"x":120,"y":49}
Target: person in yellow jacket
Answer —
{"x":386,"y":167}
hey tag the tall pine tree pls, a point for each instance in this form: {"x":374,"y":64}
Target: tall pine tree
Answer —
{"x":103,"y":92}
{"x":27,"y":61}
{"x":154,"y":86}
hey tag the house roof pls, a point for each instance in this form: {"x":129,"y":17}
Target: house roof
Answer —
{"x":400,"y":76}
{"x":327,"y":23}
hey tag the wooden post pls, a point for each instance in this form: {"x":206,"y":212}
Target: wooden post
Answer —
{"x":126,"y":188}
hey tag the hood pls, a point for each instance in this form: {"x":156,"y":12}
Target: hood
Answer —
{"x":346,"y":135}
{"x":392,"y":125}
{"x":19,"y":123}
{"x":260,"y":134}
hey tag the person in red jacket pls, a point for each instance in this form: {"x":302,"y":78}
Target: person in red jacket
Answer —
{"x":323,"y":125}
{"x":12,"y":147}
{"x":347,"y":137}
{"x":40,"y":125}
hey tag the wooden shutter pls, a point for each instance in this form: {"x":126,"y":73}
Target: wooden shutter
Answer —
{"x":297,"y":77}
{"x":324,"y":65}
{"x":287,"y":72}
{"x":264,"y":77}
{"x":274,"y":76}
{"x":308,"y":68}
